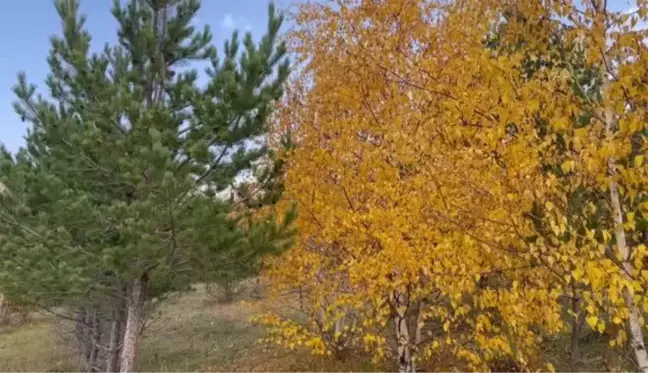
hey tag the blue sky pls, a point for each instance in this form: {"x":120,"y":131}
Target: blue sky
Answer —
{"x":26,"y":26}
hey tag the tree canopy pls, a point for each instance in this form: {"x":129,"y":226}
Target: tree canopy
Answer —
{"x":468,"y":173}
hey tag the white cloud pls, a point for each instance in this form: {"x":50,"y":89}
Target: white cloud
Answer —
{"x":631,"y":10}
{"x":231,"y":23}
{"x":640,"y":23}
{"x":228,"y":22}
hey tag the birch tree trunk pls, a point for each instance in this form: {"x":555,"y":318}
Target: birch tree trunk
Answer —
{"x":404,"y":345}
{"x":418,"y":333}
{"x":404,"y":349}
{"x":634,"y":325}
{"x":577,"y":323}
{"x":134,"y":316}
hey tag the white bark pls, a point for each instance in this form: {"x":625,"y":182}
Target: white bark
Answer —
{"x":134,"y":316}
{"x":404,"y":349}
{"x":634,"y":326}
{"x":404,"y":354}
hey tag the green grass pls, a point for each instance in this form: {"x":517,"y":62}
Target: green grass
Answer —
{"x":191,"y":333}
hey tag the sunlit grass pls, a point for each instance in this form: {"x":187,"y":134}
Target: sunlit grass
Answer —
{"x":191,"y":333}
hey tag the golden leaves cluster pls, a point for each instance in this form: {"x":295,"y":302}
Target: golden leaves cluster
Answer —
{"x":437,"y":178}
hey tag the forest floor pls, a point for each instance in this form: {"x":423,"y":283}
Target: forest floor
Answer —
{"x":191,"y":332}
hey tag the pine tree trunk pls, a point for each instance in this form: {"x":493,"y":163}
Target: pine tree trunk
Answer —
{"x":134,"y":316}
{"x":112,"y":362}
{"x":82,"y":334}
{"x":116,"y":339}
{"x":228,"y":292}
{"x":257,"y":289}
{"x":95,"y":341}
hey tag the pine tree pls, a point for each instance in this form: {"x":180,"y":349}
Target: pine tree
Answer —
{"x":114,"y":195}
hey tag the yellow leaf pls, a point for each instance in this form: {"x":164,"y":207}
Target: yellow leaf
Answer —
{"x":613,"y":294}
{"x":601,"y":327}
{"x":592,"y":321}
{"x":561,"y":123}
{"x":533,"y":105}
{"x":567,"y":166}
{"x":638,"y":161}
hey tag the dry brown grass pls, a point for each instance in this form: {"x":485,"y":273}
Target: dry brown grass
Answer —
{"x":194,"y":332}
{"x":33,"y":347}
{"x":190,"y":333}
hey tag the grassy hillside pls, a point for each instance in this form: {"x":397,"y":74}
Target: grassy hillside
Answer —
{"x":192,"y":332}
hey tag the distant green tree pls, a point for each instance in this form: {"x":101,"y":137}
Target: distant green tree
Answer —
{"x":114,"y":195}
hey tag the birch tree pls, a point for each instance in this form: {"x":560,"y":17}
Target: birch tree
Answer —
{"x":496,"y":181}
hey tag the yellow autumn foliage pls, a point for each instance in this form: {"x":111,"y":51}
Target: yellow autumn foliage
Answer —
{"x":450,"y":200}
